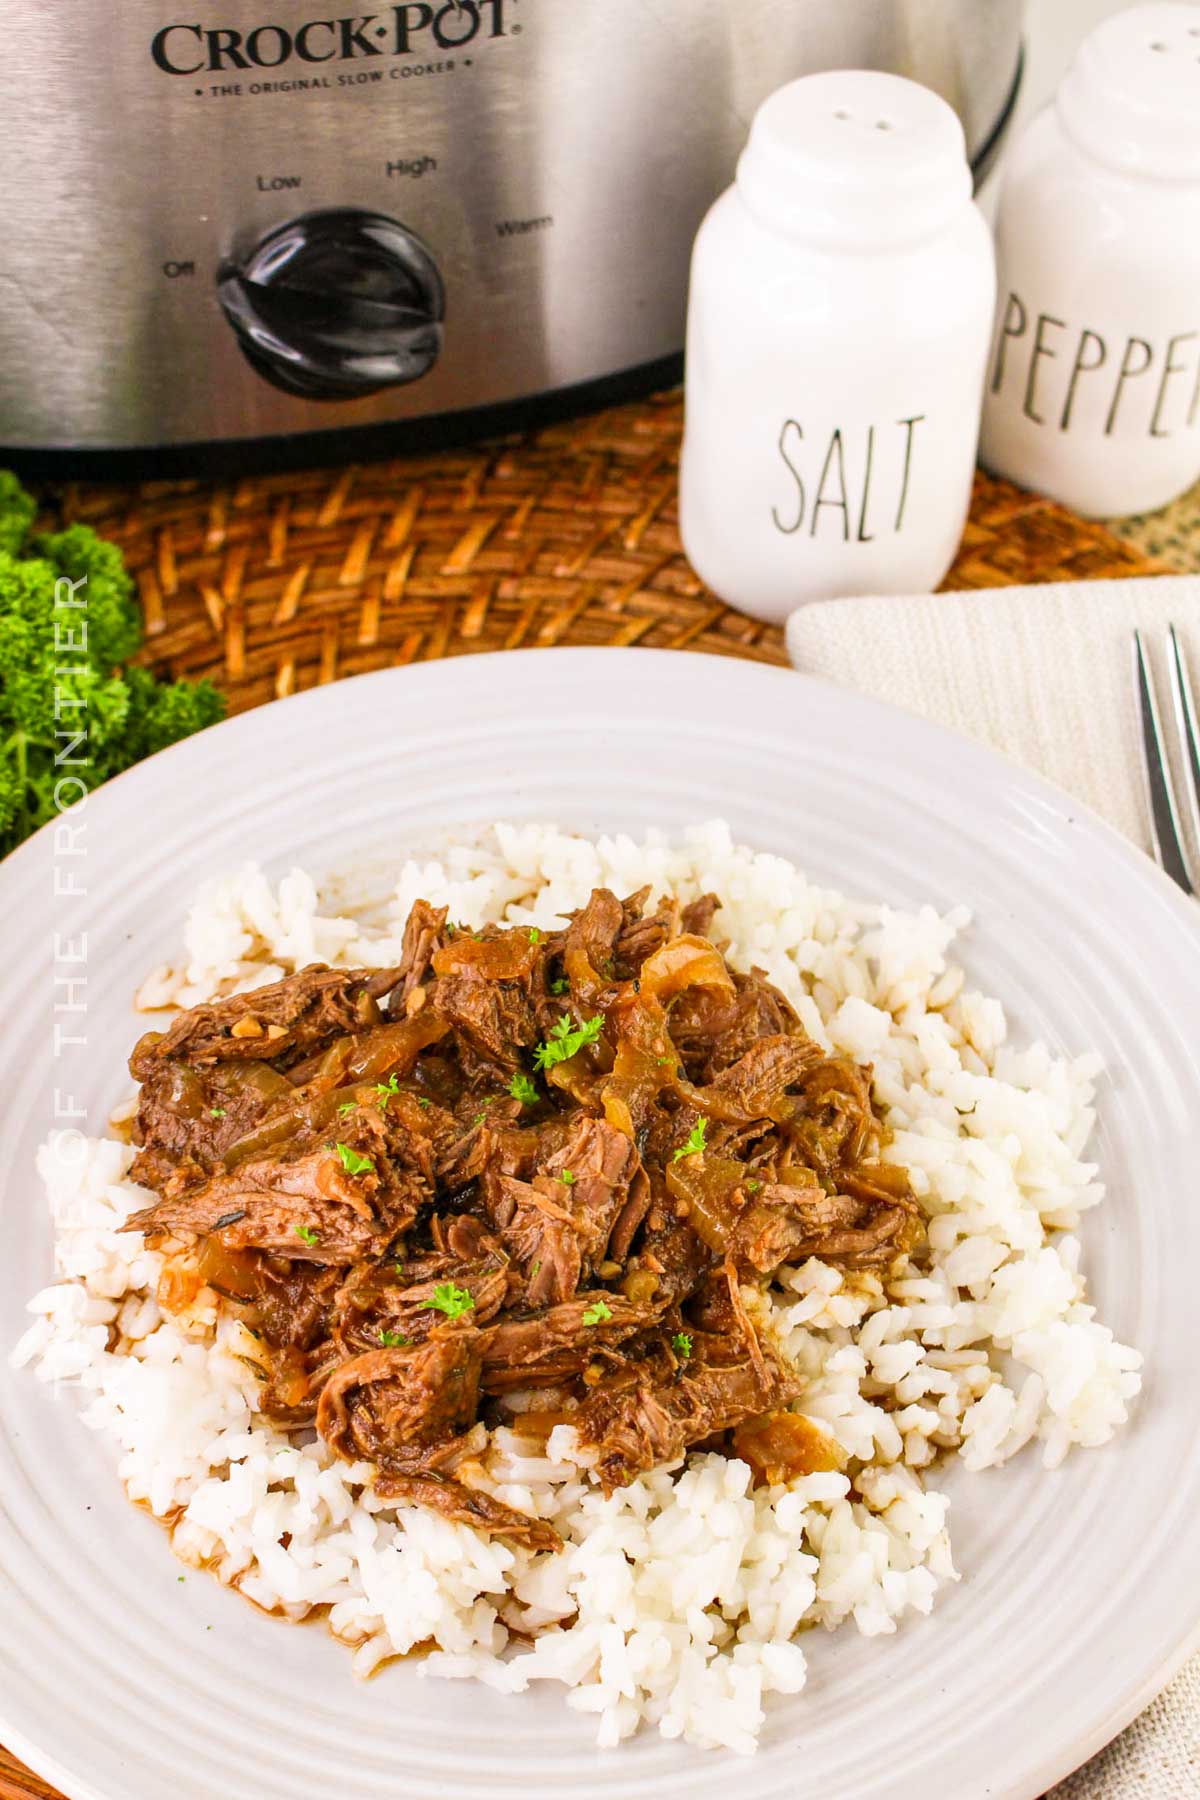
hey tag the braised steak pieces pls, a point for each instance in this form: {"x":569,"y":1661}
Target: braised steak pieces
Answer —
{"x":519,"y":1170}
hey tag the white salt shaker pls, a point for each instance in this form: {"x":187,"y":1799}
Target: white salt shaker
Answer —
{"x":841,"y":302}
{"x":1093,"y":390}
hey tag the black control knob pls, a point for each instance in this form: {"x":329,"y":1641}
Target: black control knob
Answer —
{"x":336,"y":304}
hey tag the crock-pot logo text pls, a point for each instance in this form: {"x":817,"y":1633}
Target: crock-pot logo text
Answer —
{"x":416,"y":25}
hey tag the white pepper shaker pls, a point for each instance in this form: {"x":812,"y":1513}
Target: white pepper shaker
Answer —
{"x":842,"y":294}
{"x":1093,"y":391}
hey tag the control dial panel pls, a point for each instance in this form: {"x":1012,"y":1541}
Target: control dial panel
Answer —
{"x":336,"y":304}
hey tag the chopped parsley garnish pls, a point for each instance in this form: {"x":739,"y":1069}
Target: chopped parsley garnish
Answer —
{"x":353,"y":1161}
{"x":345,"y":1107}
{"x":682,"y":1342}
{"x":695,"y":1142}
{"x":559,"y":985}
{"x":752,"y":1187}
{"x":385,"y":1090}
{"x":535,"y":936}
{"x":566,"y":1040}
{"x":423,"y":1102}
{"x":597,"y":1312}
{"x":523,"y":1089}
{"x":568,"y":1177}
{"x":534,"y":1267}
{"x":216,"y":1112}
{"x":392,"y":1340}
{"x":451,"y":1300}
{"x":308,"y":1234}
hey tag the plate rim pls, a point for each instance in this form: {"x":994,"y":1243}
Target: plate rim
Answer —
{"x":1039,"y":785}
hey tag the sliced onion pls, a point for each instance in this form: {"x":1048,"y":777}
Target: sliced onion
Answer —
{"x":709,"y":1185}
{"x":507,"y":958}
{"x":684,"y":962}
{"x":782,"y":1446}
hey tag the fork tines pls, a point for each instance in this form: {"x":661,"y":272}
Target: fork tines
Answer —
{"x":1170,"y":842}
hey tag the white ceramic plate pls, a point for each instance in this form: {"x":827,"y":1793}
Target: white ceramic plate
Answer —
{"x":1079,"y":1588}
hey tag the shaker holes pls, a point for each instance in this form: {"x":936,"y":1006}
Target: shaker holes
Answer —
{"x":880,"y":124}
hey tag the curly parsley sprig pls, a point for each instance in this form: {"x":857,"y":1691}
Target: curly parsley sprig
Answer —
{"x":695,"y":1144}
{"x":566,"y":1040}
{"x":451,"y":1300}
{"x":353,"y":1161}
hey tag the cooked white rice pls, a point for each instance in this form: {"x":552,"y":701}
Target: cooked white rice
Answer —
{"x":680,"y":1599}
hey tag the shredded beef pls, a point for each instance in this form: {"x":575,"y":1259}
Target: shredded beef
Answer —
{"x":470,"y":1506}
{"x":493,"y":1020}
{"x":523,"y":1168}
{"x":277,"y":1023}
{"x":385,"y":1404}
{"x":649,"y":1416}
{"x":557,"y":1225}
{"x":422,"y":937}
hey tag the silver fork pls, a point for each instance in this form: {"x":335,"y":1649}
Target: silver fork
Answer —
{"x":1170,"y":843}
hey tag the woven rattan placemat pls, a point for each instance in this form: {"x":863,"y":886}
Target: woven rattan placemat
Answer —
{"x":565,"y":536}
{"x":568,"y":535}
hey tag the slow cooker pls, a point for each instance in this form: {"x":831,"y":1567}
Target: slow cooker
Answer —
{"x":257,"y":227}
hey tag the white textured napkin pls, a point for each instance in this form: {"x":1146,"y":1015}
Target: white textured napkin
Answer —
{"x":1042,"y":673}
{"x":1045,"y":675}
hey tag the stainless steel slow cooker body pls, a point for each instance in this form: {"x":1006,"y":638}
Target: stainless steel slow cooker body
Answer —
{"x":253,"y":221}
